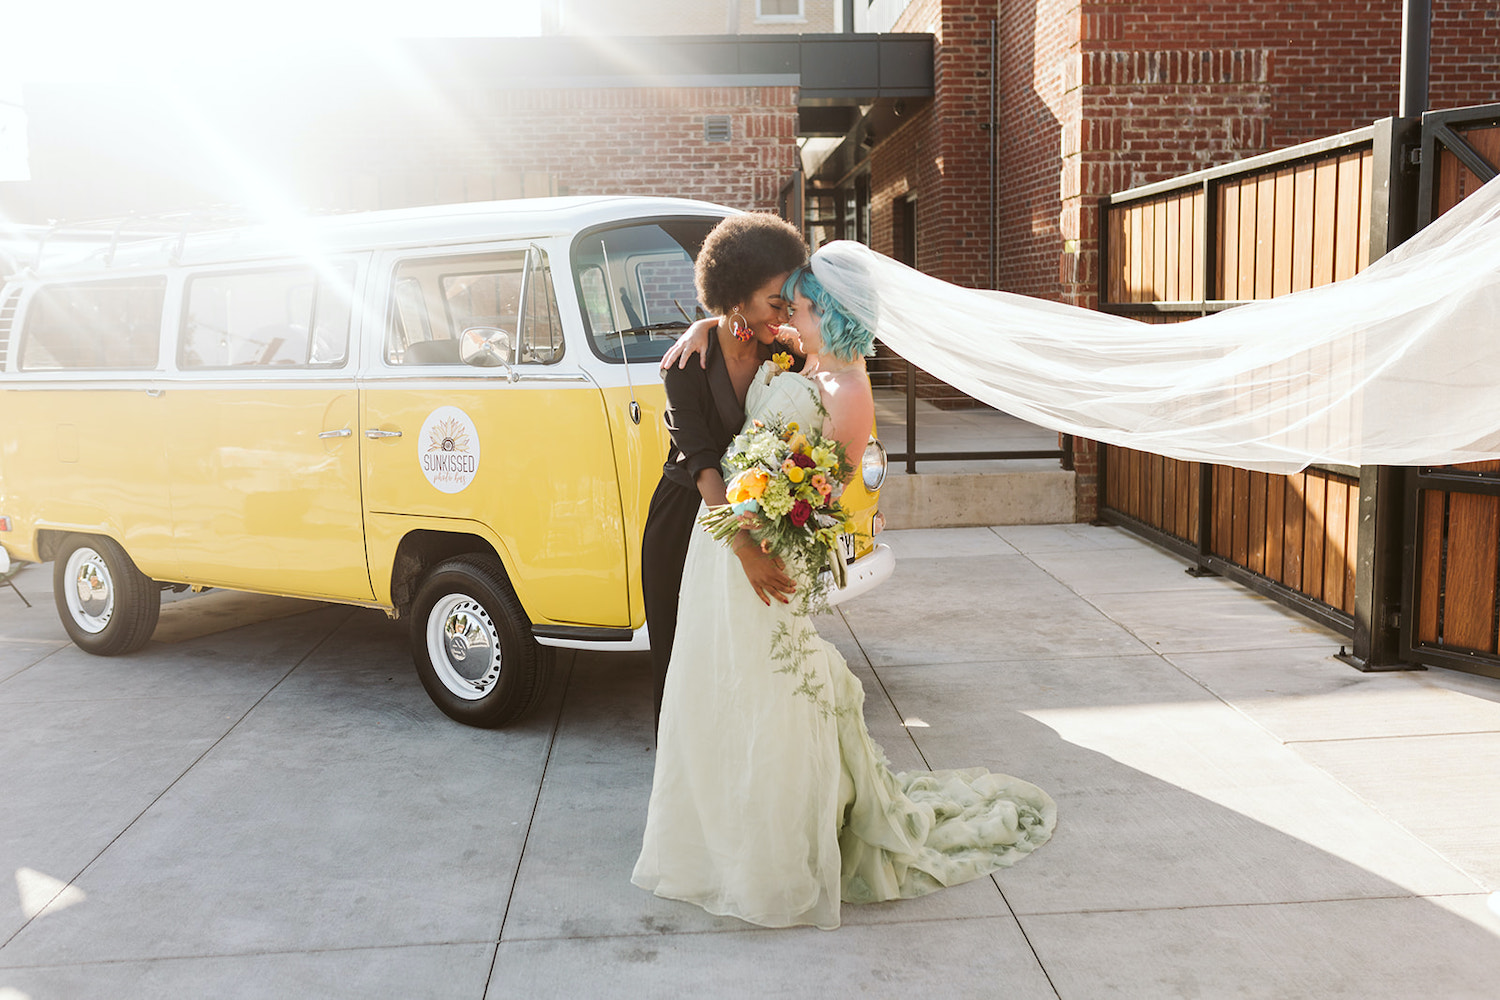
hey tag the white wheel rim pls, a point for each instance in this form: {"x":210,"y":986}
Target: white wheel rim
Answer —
{"x":89,"y":590}
{"x":463,"y":646}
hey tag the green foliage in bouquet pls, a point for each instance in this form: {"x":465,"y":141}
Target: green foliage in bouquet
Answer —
{"x":784,"y":489}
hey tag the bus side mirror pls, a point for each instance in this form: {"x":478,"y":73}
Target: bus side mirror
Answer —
{"x":486,"y":347}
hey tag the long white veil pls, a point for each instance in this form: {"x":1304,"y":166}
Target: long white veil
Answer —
{"x":1398,"y":365}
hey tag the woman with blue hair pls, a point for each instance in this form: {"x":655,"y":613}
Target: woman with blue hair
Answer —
{"x":842,"y":335}
{"x":769,"y":800}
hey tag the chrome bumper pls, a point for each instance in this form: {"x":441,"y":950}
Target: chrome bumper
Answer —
{"x":639,"y":641}
{"x":865,"y":574}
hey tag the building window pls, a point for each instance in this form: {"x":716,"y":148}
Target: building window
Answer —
{"x":779,"y":10}
{"x":904,"y":221}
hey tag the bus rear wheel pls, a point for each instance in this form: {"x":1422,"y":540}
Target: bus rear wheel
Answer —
{"x":472,"y":645}
{"x":107,"y":606}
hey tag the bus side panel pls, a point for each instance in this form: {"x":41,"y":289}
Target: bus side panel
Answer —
{"x":535,"y":465}
{"x":261,"y":501}
{"x":91,"y":458}
{"x":639,"y":454}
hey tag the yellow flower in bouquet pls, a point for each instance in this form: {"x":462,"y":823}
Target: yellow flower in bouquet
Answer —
{"x":786,"y":494}
{"x":748,"y":485}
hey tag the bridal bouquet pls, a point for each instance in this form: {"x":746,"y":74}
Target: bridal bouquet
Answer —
{"x":785,"y":491}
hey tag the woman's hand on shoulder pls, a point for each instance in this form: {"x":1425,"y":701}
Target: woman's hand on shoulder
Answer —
{"x":694,"y":340}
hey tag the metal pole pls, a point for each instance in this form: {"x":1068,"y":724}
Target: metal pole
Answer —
{"x":911,"y":419}
{"x":1206,"y":501}
{"x":1416,"y":37}
{"x":1379,"y":552}
{"x":994,"y":166}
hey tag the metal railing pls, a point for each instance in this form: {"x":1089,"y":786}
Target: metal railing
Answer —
{"x":922,"y":391}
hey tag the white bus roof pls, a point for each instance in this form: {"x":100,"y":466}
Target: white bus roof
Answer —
{"x":426,"y":226}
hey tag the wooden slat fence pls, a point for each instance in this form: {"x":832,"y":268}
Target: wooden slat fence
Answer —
{"x":1272,"y":225}
{"x":1197,"y":244}
{"x":1458,"y":567}
{"x":1299,"y":531}
{"x":1454,"y":573}
{"x":1265,"y":227}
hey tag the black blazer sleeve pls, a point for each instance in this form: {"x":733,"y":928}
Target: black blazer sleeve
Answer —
{"x":691,"y":420}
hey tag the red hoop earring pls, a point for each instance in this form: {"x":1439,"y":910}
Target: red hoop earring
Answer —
{"x":740,"y":327}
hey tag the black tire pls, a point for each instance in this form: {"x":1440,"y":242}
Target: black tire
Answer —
{"x":467,"y":609}
{"x":107,"y":606}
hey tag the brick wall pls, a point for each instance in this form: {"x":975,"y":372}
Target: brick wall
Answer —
{"x":624,"y":140}
{"x":1101,"y":95}
{"x":941,"y":154}
{"x":384,"y":150}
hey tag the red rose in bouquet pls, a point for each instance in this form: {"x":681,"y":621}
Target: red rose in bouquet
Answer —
{"x":800,"y":512}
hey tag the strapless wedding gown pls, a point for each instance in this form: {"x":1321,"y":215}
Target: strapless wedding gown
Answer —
{"x":770,"y":802}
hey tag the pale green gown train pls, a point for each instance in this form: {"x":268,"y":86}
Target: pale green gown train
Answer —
{"x":770,"y":802}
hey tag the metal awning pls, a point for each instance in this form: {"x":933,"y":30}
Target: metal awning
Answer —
{"x":834,"y":73}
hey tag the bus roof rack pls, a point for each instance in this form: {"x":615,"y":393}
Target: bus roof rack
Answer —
{"x":141,"y":227}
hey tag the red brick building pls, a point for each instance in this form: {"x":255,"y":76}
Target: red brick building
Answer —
{"x":1095,"y":97}
{"x":976,"y":141}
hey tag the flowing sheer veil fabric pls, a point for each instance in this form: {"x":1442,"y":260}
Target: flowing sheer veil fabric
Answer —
{"x":1398,"y":365}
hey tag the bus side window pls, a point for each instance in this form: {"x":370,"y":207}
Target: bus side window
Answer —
{"x":436,"y":299}
{"x":541,"y":327}
{"x":288,"y":317}
{"x":113,"y":324}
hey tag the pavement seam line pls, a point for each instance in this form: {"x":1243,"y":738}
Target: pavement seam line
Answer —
{"x":266,"y":953}
{"x":1478,"y":893}
{"x":45,"y":657}
{"x":1025,"y":936}
{"x":536,"y":802}
{"x":1395,"y":736}
{"x":173,"y":783}
{"x":883,"y":690}
{"x":925,"y":763}
{"x":750,"y":928}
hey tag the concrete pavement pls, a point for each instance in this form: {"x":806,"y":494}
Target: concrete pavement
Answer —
{"x":263,"y":803}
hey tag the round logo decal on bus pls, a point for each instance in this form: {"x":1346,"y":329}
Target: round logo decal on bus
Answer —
{"x":449,"y":451}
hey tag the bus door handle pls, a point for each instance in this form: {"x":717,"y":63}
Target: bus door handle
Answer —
{"x":342,"y":432}
{"x":372,"y":433}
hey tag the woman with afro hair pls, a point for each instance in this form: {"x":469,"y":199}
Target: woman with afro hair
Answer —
{"x":739,"y":275}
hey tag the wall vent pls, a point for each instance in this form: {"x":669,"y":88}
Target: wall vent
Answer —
{"x":716,"y":129}
{"x":7,"y":320}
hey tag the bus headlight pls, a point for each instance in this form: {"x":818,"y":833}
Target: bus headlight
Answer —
{"x":872,"y":464}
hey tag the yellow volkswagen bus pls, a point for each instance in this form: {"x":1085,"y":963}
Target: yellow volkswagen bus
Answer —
{"x":452,"y":414}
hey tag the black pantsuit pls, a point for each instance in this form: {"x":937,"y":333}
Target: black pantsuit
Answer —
{"x":664,"y":545}
{"x":703,"y":416}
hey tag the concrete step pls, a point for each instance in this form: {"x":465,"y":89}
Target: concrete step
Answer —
{"x":967,"y":499}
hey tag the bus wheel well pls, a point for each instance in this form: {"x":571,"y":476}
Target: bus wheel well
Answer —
{"x":48,"y":542}
{"x":419,"y":551}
